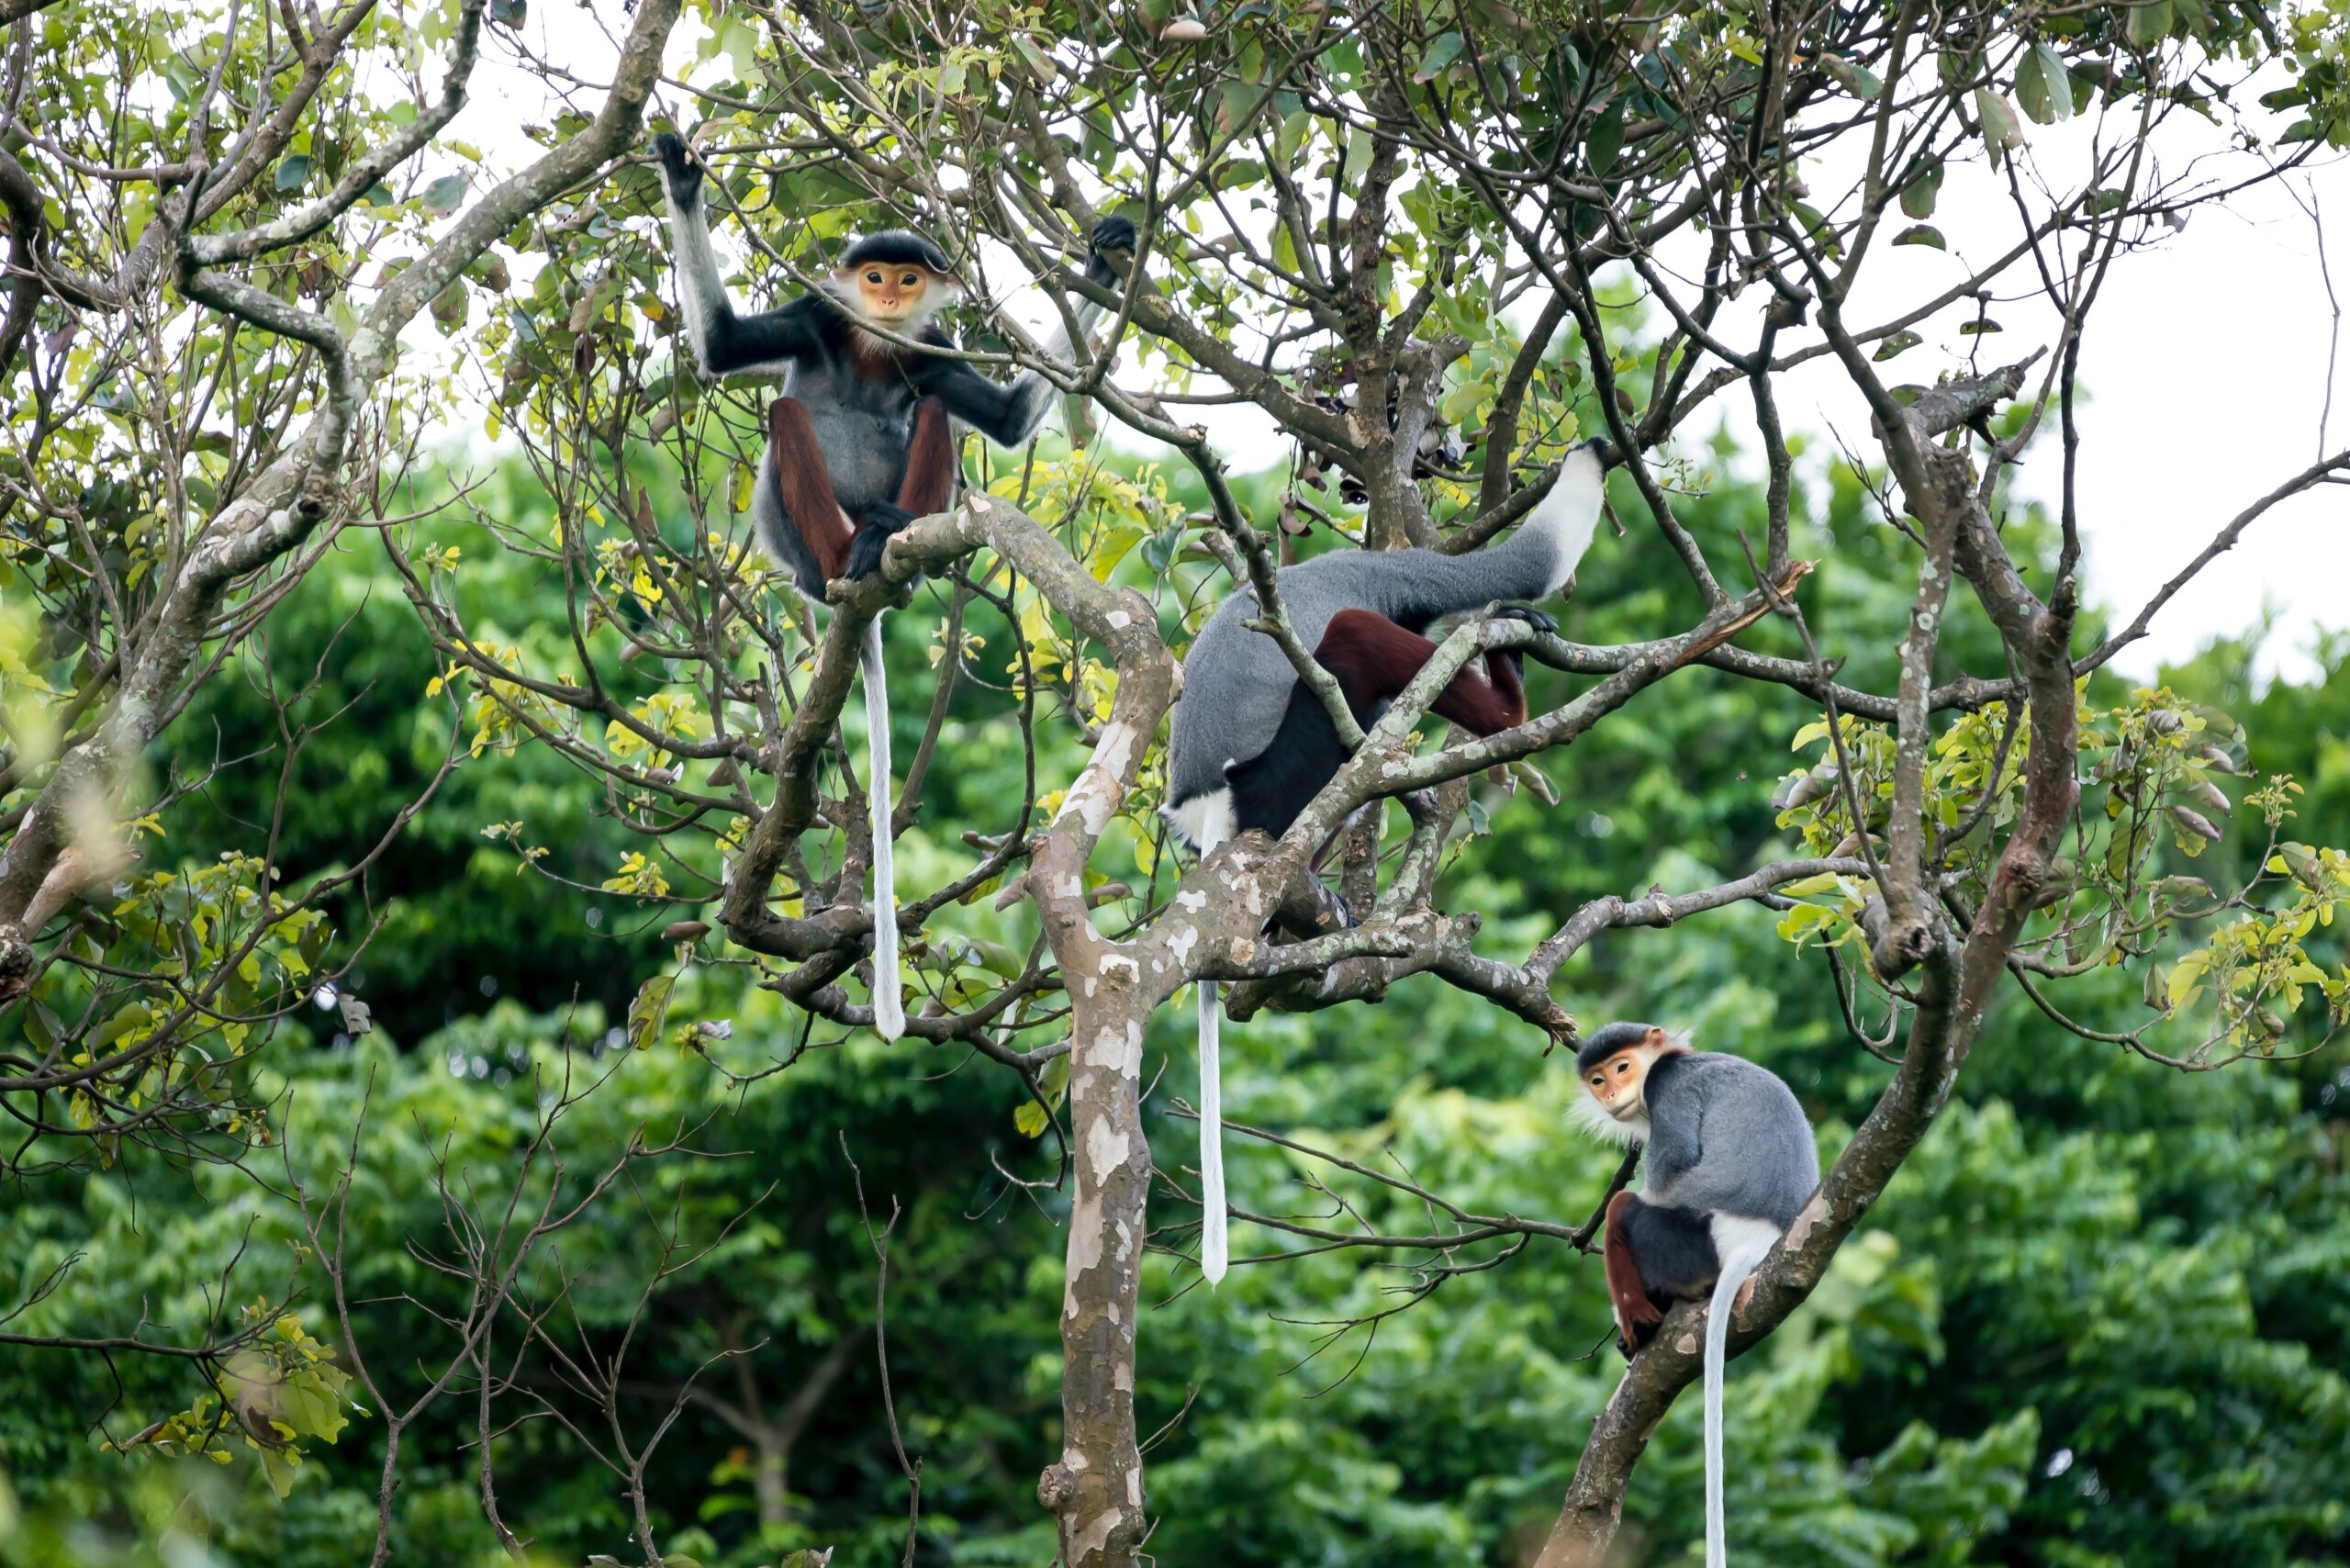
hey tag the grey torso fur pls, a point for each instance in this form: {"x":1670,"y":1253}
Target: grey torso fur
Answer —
{"x":1727,"y":1136}
{"x":1249,"y":676}
{"x":862,"y":425}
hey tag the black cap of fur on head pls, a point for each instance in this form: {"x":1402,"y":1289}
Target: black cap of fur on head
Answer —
{"x":894,"y":247}
{"x":1606,"y":1042}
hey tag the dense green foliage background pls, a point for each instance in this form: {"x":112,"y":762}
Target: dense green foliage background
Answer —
{"x":2100,"y":1319}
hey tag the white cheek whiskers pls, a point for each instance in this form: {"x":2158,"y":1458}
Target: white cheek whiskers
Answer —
{"x":1594,"y":1121}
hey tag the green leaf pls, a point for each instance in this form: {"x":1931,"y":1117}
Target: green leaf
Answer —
{"x":1040,"y":65}
{"x":1921,"y":234}
{"x":1979,"y":329}
{"x":2149,"y":24}
{"x":509,"y":13}
{"x":2031,"y":89}
{"x":1442,"y":50}
{"x":1862,"y":84}
{"x":443,"y":195}
{"x":1606,"y":138}
{"x":1030,"y":1118}
{"x":294,"y":173}
{"x":1918,"y":197}
{"x":651,"y":1008}
{"x":1896,"y":345}
{"x":449,"y":306}
{"x":2002,"y":132}
{"x":1463,"y":401}
{"x":2060,"y":81}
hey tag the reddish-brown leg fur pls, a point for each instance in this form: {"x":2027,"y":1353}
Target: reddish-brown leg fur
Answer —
{"x":1634,"y":1310}
{"x":1373,"y":658}
{"x":806,"y":485}
{"x":929,"y":483}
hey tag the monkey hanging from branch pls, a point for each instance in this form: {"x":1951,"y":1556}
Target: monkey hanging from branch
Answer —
{"x":861,"y":436}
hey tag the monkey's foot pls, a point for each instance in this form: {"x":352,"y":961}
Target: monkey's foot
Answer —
{"x":865,"y":549}
{"x":1110,"y":234}
{"x":1631,"y":1339}
{"x":1312,"y":908}
{"x":681,"y":167}
{"x":1528,"y":613}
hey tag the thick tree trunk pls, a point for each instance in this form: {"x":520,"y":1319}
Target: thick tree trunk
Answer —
{"x":1095,"y":1490}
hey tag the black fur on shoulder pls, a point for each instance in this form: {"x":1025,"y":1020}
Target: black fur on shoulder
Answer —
{"x":1606,"y":1042}
{"x":893,"y":247}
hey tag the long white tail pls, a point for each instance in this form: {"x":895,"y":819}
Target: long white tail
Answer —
{"x":1741,"y":1243}
{"x":888,"y":1006}
{"x":1213,"y":1258}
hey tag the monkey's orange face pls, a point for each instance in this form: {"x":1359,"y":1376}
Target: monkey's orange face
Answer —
{"x":896,"y":294}
{"x":1619,"y":1082}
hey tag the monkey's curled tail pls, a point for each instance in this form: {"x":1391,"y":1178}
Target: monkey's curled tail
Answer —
{"x":1212,"y":1255}
{"x":889,"y":1007}
{"x":1741,"y":1251}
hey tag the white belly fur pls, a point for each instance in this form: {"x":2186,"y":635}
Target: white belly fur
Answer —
{"x":1203,"y":820}
{"x":1736,"y":1233}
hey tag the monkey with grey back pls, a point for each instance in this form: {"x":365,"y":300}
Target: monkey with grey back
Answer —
{"x":1251,"y":744}
{"x":1731,"y":1163}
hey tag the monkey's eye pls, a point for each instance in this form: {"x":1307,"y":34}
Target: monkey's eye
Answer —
{"x":873,"y":278}
{"x":1599,"y":1079}
{"x":1622,"y":1067}
{"x":909,"y":280}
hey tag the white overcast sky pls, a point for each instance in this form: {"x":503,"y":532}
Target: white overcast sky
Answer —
{"x":2206,"y":364}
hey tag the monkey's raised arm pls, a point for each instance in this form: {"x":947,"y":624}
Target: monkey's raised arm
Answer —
{"x":723,"y":339}
{"x":1008,"y":413}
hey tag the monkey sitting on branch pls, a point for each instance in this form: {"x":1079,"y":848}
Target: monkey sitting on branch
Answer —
{"x":861,"y":442}
{"x":1252,"y":744}
{"x":1731,"y":1163}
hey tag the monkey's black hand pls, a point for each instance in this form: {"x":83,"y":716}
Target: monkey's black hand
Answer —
{"x":1516,"y":657}
{"x":881,"y":521}
{"x":1110,"y":234}
{"x":681,"y":167}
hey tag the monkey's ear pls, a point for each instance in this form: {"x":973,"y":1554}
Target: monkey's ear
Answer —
{"x":1656,"y":1036}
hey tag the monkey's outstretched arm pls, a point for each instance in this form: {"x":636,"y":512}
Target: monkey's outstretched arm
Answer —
{"x":1008,"y":413}
{"x":724,"y":341}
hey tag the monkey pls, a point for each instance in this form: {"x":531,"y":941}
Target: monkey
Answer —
{"x":861,"y":438}
{"x":1731,"y":1163}
{"x":1251,"y":744}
